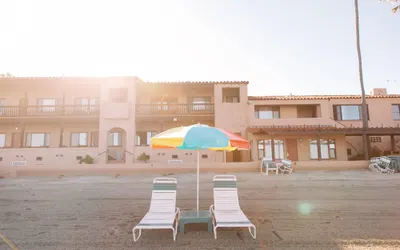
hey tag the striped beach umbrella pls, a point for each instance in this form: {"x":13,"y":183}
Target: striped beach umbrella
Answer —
{"x":198,"y":137}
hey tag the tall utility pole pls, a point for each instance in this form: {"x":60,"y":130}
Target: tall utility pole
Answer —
{"x":360,"y":73}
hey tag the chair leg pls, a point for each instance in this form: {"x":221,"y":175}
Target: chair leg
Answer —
{"x":215,"y":232}
{"x":134,"y":235}
{"x":254,"y":232}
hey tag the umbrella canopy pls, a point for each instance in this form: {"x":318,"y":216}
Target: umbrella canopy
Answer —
{"x":199,"y":136}
{"x":196,"y":137}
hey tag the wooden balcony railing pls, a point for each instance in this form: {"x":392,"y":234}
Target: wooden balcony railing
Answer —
{"x":45,"y":111}
{"x":174,"y":109}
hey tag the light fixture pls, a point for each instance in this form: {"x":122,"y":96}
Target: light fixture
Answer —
{"x":16,"y":127}
{"x":175,"y":119}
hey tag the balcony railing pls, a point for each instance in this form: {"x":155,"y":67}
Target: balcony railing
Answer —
{"x":174,"y":109}
{"x":47,"y":110}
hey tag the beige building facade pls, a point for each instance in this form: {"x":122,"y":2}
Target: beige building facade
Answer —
{"x":59,"y":120}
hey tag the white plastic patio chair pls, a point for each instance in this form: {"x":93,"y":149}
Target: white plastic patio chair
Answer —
{"x":285,"y":166}
{"x":163,"y":213}
{"x":226,"y":211}
{"x":268,"y":165}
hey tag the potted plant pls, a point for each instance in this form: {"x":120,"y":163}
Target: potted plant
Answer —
{"x":86,"y":160}
{"x":143,"y":157}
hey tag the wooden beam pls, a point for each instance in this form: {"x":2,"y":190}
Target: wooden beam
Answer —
{"x":392,"y":143}
{"x":273,"y":147}
{"x":319,"y":146}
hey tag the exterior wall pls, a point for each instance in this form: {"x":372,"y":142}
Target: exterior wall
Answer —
{"x":232,"y":116}
{"x":380,"y":111}
{"x":78,"y":128}
{"x":303,"y":145}
{"x":288,"y":111}
{"x":8,"y":129}
{"x":51,"y":157}
{"x":182,"y":91}
{"x":235,"y":117}
{"x":111,"y":116}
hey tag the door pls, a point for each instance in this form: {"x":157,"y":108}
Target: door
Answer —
{"x":237,"y":156}
{"x":16,"y":140}
{"x":291,"y":149}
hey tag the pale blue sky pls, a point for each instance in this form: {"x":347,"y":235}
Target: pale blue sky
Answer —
{"x":281,"y":47}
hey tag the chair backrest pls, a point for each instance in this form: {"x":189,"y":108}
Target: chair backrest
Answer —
{"x":287,"y":163}
{"x":225,"y":193}
{"x":264,"y":161}
{"x":163,"y":196}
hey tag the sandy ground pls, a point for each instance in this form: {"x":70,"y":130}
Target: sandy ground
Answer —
{"x":304,"y":210}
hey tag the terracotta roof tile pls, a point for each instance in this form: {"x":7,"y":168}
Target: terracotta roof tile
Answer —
{"x":196,"y":82}
{"x":318,"y":97}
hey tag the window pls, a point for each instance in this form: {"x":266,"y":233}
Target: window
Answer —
{"x":115,"y":139}
{"x":396,"y":111}
{"x":47,"y":105}
{"x":375,"y":139}
{"x":37,"y":140}
{"x":118,"y":95}
{"x":39,"y":158}
{"x":144,"y":138}
{"x":204,"y":156}
{"x":2,"y":140}
{"x":265,"y":149}
{"x":328,"y":149}
{"x":267,"y":112}
{"x":231,"y":95}
{"x":163,"y":103}
{"x":349,"y":151}
{"x":79,"y":139}
{"x":86,"y":103}
{"x":199,"y":103}
{"x":174,"y":156}
{"x":348,"y":112}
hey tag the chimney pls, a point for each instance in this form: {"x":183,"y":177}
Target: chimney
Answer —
{"x":378,"y":91}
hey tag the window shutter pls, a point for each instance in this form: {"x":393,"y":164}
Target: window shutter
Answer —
{"x":119,"y":139}
{"x":94,"y":140}
{"x":257,"y":112}
{"x":46,"y":140}
{"x":337,"y":112}
{"x":28,"y":140}
{"x":74,"y":139}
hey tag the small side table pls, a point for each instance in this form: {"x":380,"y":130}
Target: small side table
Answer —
{"x":193,"y":216}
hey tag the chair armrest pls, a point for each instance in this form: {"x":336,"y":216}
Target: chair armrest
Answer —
{"x":212,"y":209}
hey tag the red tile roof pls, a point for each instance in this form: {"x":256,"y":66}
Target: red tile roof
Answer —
{"x":197,"y":82}
{"x":318,"y":97}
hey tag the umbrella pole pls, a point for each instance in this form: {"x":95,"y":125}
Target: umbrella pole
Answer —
{"x":198,"y":176}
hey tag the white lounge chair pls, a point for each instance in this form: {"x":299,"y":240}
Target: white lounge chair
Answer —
{"x":285,"y":166}
{"x":226,"y":211}
{"x":163,"y":213}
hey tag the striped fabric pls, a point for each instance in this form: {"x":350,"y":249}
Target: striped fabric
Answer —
{"x":164,"y":186}
{"x":224,"y":184}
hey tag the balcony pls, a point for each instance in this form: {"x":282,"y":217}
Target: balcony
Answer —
{"x":175,"y":109}
{"x":49,"y":111}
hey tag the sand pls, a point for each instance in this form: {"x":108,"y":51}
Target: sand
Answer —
{"x":304,"y":210}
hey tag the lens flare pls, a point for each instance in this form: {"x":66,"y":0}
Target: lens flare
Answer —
{"x":304,"y":208}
